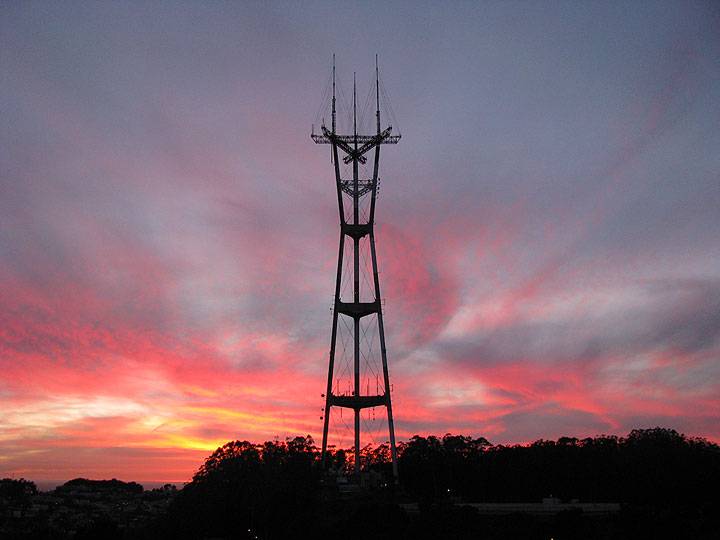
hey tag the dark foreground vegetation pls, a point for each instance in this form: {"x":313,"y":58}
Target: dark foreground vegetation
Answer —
{"x":666,"y":484}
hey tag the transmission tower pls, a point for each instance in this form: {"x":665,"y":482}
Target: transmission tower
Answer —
{"x":357,"y":310}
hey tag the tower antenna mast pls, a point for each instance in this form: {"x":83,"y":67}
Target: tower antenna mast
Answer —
{"x":365,"y":302}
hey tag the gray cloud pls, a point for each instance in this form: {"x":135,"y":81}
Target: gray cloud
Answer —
{"x":679,"y":316}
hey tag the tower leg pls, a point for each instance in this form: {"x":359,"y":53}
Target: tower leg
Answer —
{"x":356,"y":359}
{"x":383,"y":352}
{"x":331,"y":366}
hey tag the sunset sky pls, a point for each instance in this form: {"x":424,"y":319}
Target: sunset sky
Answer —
{"x":548,"y":227}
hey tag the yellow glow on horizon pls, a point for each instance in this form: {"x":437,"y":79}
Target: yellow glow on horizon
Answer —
{"x":230,"y":414}
{"x":192,"y":443}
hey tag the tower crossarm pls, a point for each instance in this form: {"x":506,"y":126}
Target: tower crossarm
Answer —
{"x":343,"y":142}
{"x":340,"y":142}
{"x":349,"y":139}
{"x":368,"y":145}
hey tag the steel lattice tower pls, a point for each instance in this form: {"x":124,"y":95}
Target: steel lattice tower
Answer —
{"x":355,"y":192}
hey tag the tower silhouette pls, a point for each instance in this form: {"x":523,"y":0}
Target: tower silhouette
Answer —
{"x":357,"y":311}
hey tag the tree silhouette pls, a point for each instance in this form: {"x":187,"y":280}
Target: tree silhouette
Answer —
{"x":264,"y":490}
{"x":666,"y":481}
{"x":17,"y":491}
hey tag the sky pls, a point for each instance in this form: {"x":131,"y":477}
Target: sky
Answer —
{"x":548,"y":229}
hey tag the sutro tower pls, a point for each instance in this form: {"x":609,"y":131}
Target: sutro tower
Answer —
{"x":357,"y":314}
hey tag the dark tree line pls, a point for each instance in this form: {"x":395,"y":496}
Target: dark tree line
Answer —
{"x":649,"y":466}
{"x":244,"y":490}
{"x":275,"y":490}
{"x":17,"y":491}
